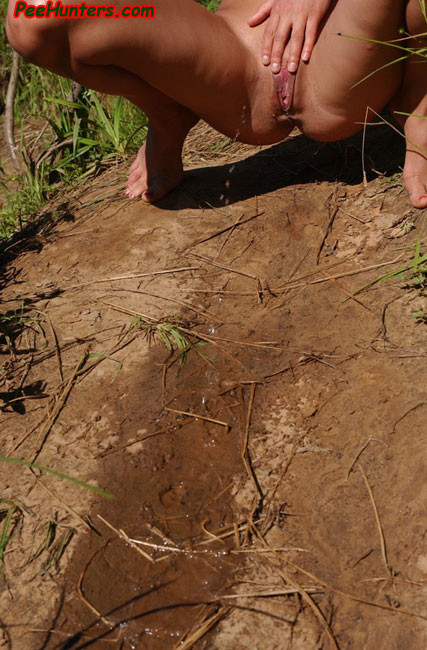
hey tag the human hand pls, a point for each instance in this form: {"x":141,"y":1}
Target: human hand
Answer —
{"x":290,"y":21}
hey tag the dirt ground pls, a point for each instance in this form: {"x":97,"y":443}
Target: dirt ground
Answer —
{"x":276,"y":478}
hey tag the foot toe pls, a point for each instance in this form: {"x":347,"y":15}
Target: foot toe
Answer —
{"x":419,"y":202}
{"x":417,"y":190}
{"x":137,"y":188}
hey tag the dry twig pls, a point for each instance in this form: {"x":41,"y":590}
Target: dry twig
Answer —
{"x":131,"y":276}
{"x":307,"y":599}
{"x":226,"y":229}
{"x":60,"y":403}
{"x":377,"y":519}
{"x":189,"y":641}
{"x":197,"y":416}
{"x":9,"y":112}
{"x":80,"y":591}
{"x":357,"y":599}
{"x":121,"y":533}
{"x":360,"y":452}
{"x":245,"y":451}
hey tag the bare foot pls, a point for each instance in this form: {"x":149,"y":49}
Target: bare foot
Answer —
{"x":415,"y":169}
{"x":412,"y":100}
{"x":157,"y":168}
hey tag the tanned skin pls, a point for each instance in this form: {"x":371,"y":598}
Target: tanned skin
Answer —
{"x":188,"y":63}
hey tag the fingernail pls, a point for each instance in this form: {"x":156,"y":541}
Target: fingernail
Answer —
{"x":423,"y":196}
{"x":275,"y":67}
{"x":127,"y":192}
{"x":305,"y":55}
{"x":266,"y":59}
{"x":292,"y":66}
{"x":132,"y":196}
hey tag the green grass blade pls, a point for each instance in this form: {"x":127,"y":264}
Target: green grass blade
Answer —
{"x":421,"y":117}
{"x":205,"y":357}
{"x":117,"y":118}
{"x":132,"y":136}
{"x":67,"y":159}
{"x":402,"y":269}
{"x":410,"y":51}
{"x":4,"y":537}
{"x":103,"y":118}
{"x":63,"y":102}
{"x":88,"y":141}
{"x":417,"y":254}
{"x":8,"y":502}
{"x":165,"y":339}
{"x":65,"y":477}
{"x":387,"y":65}
{"x":75,"y":135}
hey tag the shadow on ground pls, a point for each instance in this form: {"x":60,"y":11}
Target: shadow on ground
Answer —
{"x":298,"y":160}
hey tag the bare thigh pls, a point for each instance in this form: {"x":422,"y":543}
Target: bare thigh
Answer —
{"x":189,"y":54}
{"x":335,"y":101}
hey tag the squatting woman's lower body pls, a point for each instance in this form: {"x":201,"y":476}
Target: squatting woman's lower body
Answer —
{"x":188,"y":63}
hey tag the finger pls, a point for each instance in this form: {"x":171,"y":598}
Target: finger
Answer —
{"x":295,"y":46}
{"x":281,"y":37}
{"x":310,"y":39}
{"x":262,"y":13}
{"x":267,"y":41}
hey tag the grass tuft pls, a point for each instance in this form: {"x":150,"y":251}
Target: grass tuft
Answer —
{"x":61,"y":142}
{"x":170,"y":334}
{"x":10,"y":519}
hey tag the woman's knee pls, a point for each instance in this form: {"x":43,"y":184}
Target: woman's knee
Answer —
{"x":24,"y":36}
{"x":42,"y":42}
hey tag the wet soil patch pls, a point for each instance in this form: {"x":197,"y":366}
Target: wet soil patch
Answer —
{"x":267,"y":457}
{"x":172,"y":491}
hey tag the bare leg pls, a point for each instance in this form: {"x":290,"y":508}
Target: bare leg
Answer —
{"x":336,"y":101}
{"x":412,"y":98}
{"x":157,"y":168}
{"x":186,"y":62}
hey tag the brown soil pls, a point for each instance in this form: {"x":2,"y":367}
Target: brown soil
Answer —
{"x":307,"y":455}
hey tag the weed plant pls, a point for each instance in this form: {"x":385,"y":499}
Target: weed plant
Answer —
{"x":9,"y":518}
{"x":78,"y":138}
{"x":64,"y":142}
{"x":211,"y":5}
{"x":13,"y":322}
{"x":61,"y":142}
{"x":170,"y":332}
{"x":412,"y":275}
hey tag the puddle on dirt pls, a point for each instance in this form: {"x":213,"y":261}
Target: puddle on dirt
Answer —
{"x":173,"y":493}
{"x":335,"y":382}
